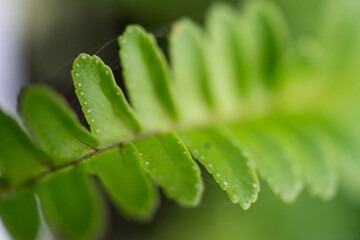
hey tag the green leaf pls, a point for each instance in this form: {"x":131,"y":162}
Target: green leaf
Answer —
{"x":71,"y":204}
{"x":190,"y":71}
{"x":339,"y":31}
{"x":346,"y":143}
{"x":271,"y":40}
{"x":225,"y":160}
{"x":20,"y":215}
{"x":128,"y":185}
{"x":225,"y":57}
{"x":20,"y":159}
{"x":110,"y":117}
{"x":145,"y":65}
{"x":316,"y":155}
{"x":45,"y":111}
{"x":227,"y":93}
{"x":270,"y":159}
{"x":349,"y":173}
{"x":169,"y":163}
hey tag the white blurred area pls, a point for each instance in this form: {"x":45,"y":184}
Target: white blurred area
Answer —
{"x":12,"y":30}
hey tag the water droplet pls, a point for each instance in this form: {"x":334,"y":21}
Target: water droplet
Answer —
{"x":210,"y":165}
{"x":196,"y":151}
{"x":79,"y":84}
{"x":97,"y":61}
{"x":225,"y":183}
{"x":85,"y":102}
{"x":246,"y":205}
{"x":234,"y":198}
{"x":89,"y":110}
{"x":147,"y":163}
{"x":76,"y":74}
{"x":82,"y":93}
{"x":124,"y":41}
{"x":202,"y":157}
{"x":77,"y":65}
{"x":97,"y":130}
{"x":194,"y":168}
{"x":185,"y":152}
{"x":255,"y":185}
{"x":197,"y":185}
{"x":107,"y":72}
{"x":218,"y":175}
{"x":140,"y":154}
{"x":83,"y":57}
{"x":118,"y":93}
{"x":179,"y":142}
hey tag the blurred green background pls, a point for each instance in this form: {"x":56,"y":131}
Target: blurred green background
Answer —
{"x":268,"y":218}
{"x":58,"y":30}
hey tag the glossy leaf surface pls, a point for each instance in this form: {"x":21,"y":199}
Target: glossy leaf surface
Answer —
{"x":128,"y":185}
{"x":272,"y":163}
{"x":20,"y":159}
{"x":71,"y":204}
{"x":169,"y":163}
{"x":20,"y":216}
{"x":110,"y":117}
{"x":45,"y":111}
{"x":145,"y":66}
{"x":225,"y":160}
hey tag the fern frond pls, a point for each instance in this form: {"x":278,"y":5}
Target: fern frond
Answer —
{"x":227,"y":101}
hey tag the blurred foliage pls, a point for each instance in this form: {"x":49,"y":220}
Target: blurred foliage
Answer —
{"x":269,"y":218}
{"x":53,"y":24}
